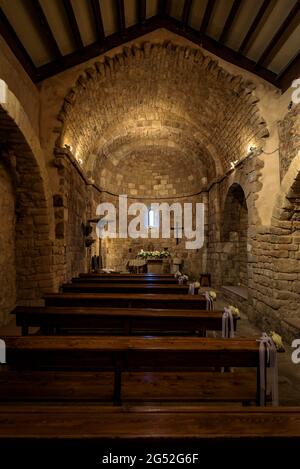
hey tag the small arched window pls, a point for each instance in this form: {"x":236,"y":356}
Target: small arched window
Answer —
{"x":151,"y":218}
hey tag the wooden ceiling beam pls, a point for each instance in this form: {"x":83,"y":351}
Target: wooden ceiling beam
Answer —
{"x":142,"y":9}
{"x":13,"y":41}
{"x":162,"y":7}
{"x":73,"y":24}
{"x":254,"y":26}
{"x":186,"y":12}
{"x":121,"y":16}
{"x":98,"y":20}
{"x":289,"y":73}
{"x":207,"y":16}
{"x":229,"y":21}
{"x":152,"y":24}
{"x":48,"y":35}
{"x":286,"y":28}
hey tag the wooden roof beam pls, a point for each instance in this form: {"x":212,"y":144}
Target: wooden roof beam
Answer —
{"x":48,"y":35}
{"x":121,"y":16}
{"x":186,"y":12}
{"x":287,"y":27}
{"x":254,"y":26}
{"x":229,"y":21}
{"x":73,"y":24}
{"x":98,"y":20}
{"x":13,"y":41}
{"x":207,"y":15}
{"x":142,"y":8}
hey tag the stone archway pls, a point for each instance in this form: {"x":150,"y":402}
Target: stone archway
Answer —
{"x":30,"y":225}
{"x":234,"y":231}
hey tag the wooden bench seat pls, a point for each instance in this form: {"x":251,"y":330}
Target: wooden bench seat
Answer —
{"x":127,"y":300}
{"x":130,"y":354}
{"x":113,"y":321}
{"x":125,"y":279}
{"x":153,"y":288}
{"x":129,"y":275}
{"x":93,"y":386}
{"x":85,"y":433}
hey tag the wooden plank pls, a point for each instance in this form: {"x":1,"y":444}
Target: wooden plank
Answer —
{"x":135,"y":353}
{"x":289,"y":73}
{"x":126,"y":300}
{"x":119,"y":321}
{"x":120,"y":280}
{"x":72,"y":386}
{"x":10,"y":36}
{"x":229,"y":21}
{"x":207,"y":16}
{"x":73,"y":24}
{"x":125,"y":288}
{"x":121,"y":16}
{"x":186,"y":12}
{"x":254,"y":26}
{"x":106,"y":424}
{"x":142,"y":7}
{"x":98,"y":20}
{"x":47,"y":31}
{"x":127,"y":275}
{"x":287,"y":27}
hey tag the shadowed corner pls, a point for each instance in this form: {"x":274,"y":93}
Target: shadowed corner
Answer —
{"x":2,"y":351}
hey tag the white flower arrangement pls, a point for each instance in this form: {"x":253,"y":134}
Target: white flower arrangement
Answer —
{"x":182,"y":279}
{"x":234,"y":311}
{"x":212,"y":295}
{"x":177,"y":274}
{"x":277,"y":341}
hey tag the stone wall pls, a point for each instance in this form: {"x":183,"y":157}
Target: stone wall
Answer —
{"x":74,"y":204}
{"x":289,"y":134}
{"x":7,"y":243}
{"x":117,"y":252}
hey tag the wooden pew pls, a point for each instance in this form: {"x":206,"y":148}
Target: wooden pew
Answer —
{"x":148,"y":276}
{"x":83,"y":287}
{"x":113,"y":321}
{"x":125,"y":279}
{"x":127,"y":300}
{"x":131,"y":354}
{"x":84,"y":434}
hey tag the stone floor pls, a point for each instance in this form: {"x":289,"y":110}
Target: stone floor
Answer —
{"x":289,"y":373}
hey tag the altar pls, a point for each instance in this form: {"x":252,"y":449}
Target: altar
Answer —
{"x":155,"y":266}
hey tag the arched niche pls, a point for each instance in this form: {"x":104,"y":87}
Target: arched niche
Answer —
{"x":234,"y":231}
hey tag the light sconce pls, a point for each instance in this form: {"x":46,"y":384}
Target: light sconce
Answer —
{"x":233,"y":164}
{"x":68,"y":147}
{"x":254,"y":151}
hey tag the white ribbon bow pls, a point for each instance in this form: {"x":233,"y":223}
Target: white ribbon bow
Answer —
{"x":227,"y":324}
{"x":268,"y":356}
{"x":209,"y":301}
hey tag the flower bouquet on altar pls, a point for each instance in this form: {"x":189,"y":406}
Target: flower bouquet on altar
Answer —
{"x":153,"y":254}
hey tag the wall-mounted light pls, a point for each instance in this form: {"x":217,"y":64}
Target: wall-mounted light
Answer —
{"x":68,"y":147}
{"x":80,"y":161}
{"x":254,"y":151}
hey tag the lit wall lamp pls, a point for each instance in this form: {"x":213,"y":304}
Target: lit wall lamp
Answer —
{"x":254,"y":151}
{"x":68,"y":147}
{"x":233,"y":164}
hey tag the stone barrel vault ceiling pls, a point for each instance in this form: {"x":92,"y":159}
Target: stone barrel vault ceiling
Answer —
{"x":135,"y":111}
{"x":49,"y":36}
